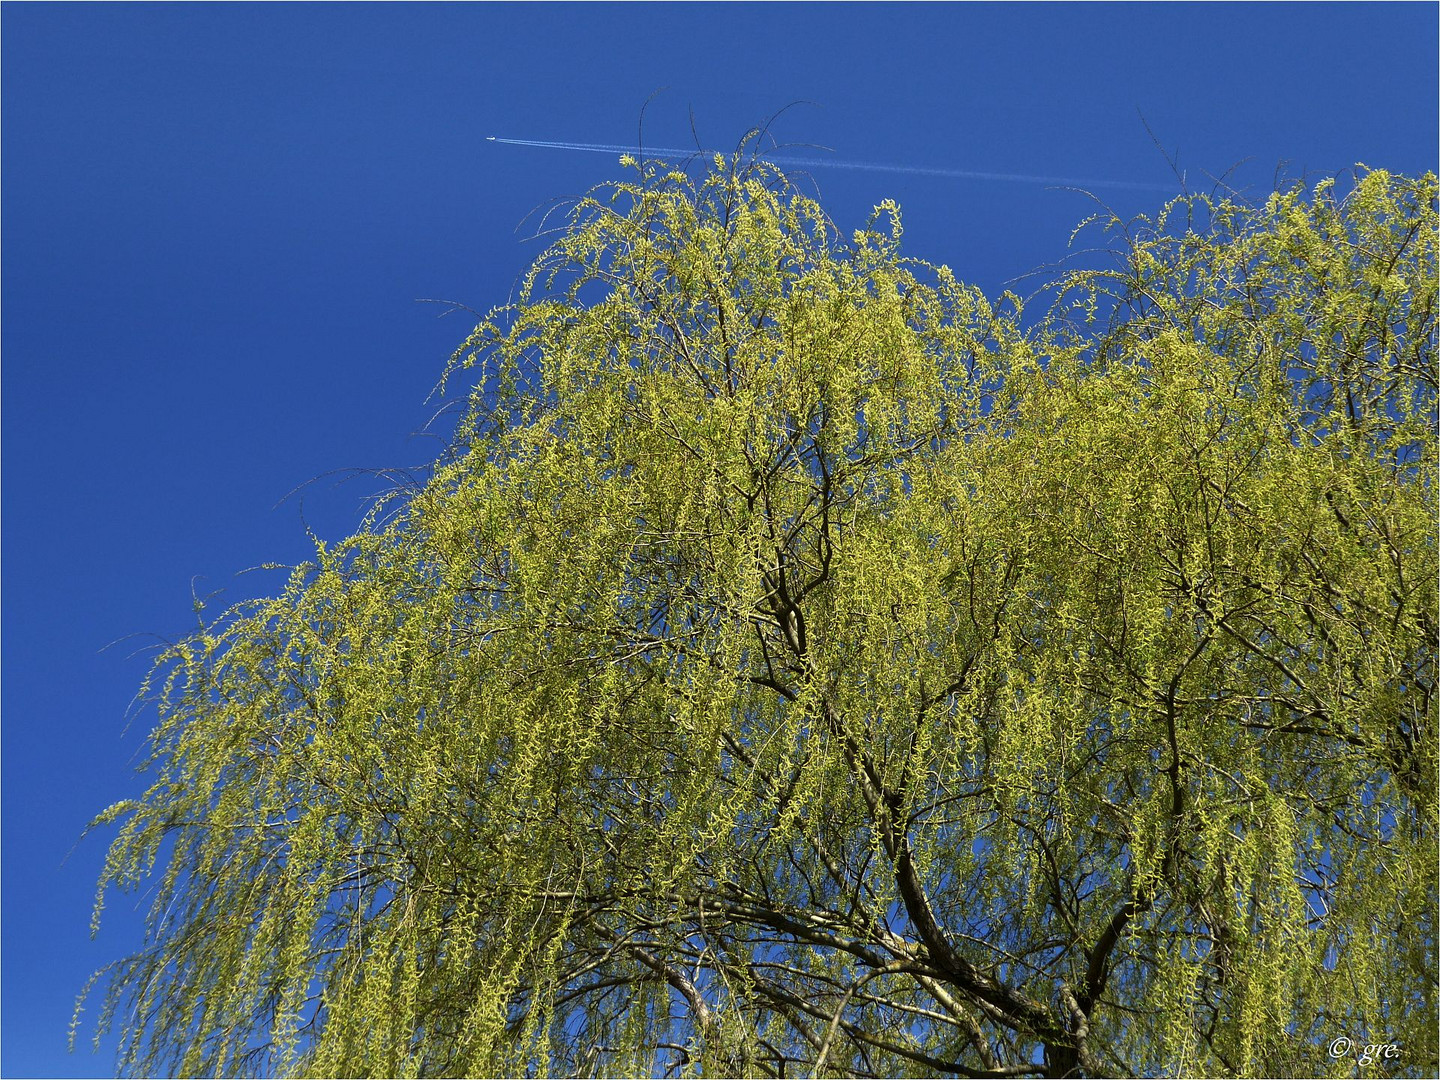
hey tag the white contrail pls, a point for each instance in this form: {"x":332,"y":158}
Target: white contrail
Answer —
{"x":593,"y":148}
{"x":835,"y":163}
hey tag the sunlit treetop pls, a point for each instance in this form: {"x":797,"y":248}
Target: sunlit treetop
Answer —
{"x":803,"y":665}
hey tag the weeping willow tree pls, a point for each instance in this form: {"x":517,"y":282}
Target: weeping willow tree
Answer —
{"x":804,"y":666}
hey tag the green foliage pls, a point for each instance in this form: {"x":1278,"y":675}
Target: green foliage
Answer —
{"x":803,"y":666}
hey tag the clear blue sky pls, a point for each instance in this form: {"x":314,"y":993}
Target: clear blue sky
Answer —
{"x":217,"y":221}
